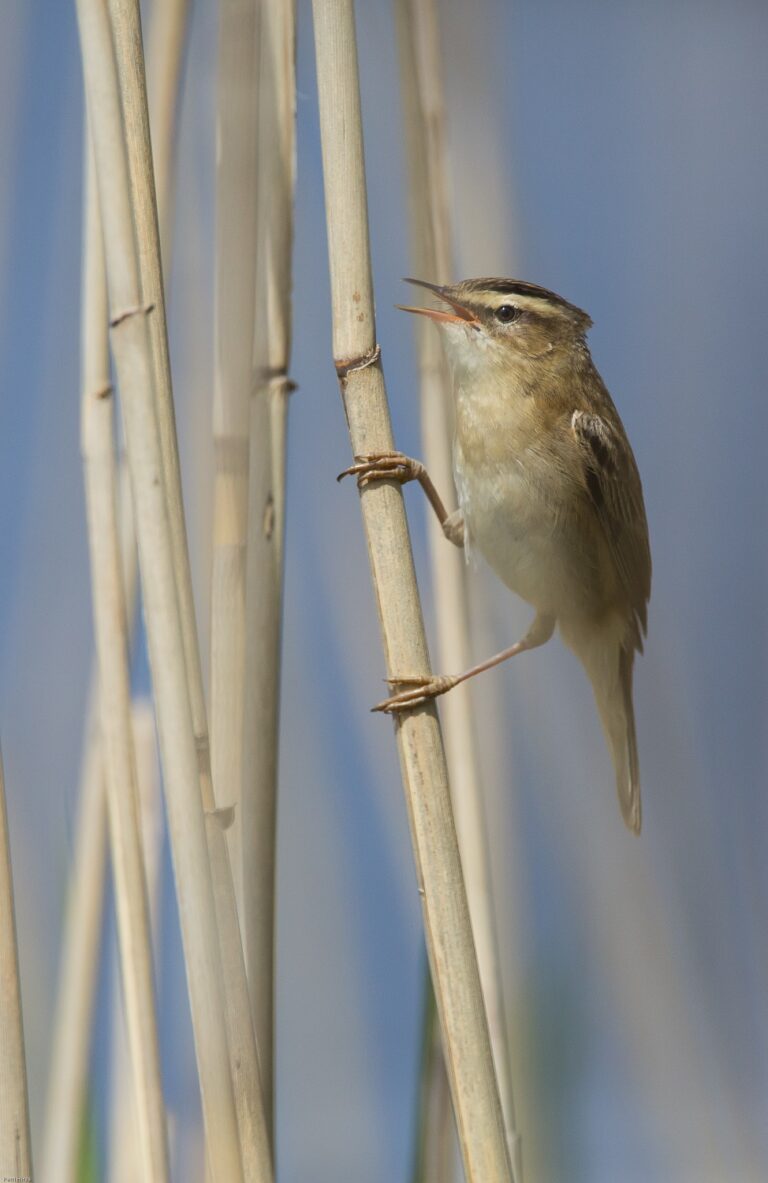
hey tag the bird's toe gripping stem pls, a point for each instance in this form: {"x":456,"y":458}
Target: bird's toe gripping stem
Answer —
{"x":384,"y":466}
{"x":420,"y":689}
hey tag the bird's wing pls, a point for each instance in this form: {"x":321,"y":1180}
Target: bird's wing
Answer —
{"x":613,"y":484}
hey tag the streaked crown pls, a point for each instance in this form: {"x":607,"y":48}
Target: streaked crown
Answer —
{"x":499,"y":304}
{"x":488,"y":295}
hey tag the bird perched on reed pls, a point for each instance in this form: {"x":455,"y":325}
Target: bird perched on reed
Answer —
{"x":548,"y":489}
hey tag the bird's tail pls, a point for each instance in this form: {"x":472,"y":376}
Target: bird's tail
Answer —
{"x":614,"y":703}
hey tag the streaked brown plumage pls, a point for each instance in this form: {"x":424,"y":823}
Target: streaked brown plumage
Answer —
{"x":548,"y":489}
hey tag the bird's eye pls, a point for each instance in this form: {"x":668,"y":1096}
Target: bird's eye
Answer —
{"x":506,"y":313}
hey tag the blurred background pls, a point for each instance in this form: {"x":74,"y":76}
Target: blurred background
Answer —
{"x":616,"y":154}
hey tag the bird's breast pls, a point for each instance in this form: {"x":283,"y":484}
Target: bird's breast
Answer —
{"x":519,"y":509}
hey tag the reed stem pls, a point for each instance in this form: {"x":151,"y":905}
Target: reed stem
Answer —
{"x":234,"y":295}
{"x":134,"y":363}
{"x":78,"y":976}
{"x":166,"y":42}
{"x":124,"y":1161}
{"x":266,"y":511}
{"x":434,"y":1145}
{"x":114,"y":697}
{"x":422,"y":758}
{"x":68,"y":1075}
{"x":15,"y":1140}
{"x":241,"y":1044}
{"x":424,"y":118}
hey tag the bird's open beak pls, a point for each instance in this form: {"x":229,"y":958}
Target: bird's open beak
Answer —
{"x":460,"y":314}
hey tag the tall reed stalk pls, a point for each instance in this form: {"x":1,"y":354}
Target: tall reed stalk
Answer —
{"x":78,"y":975}
{"x":166,"y":43}
{"x":67,"y":1077}
{"x":434,"y":1156}
{"x":81,"y":942}
{"x":424,"y":118}
{"x":114,"y":696}
{"x":234,"y":294}
{"x":134,"y":363}
{"x":266,"y":511}
{"x":446,"y":914}
{"x":124,"y":1160}
{"x":240,"y":1044}
{"x":15,"y":1141}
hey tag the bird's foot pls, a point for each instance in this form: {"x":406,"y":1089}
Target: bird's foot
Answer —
{"x":383,"y":466}
{"x":421,"y":689}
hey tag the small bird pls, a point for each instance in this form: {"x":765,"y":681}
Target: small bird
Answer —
{"x":548,"y":490}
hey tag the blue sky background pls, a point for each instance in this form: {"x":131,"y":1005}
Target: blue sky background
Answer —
{"x":612,"y":152}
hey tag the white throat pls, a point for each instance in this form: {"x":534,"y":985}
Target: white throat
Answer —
{"x":468,"y":350}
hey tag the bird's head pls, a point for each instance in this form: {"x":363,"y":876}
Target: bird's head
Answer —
{"x":495,"y":322}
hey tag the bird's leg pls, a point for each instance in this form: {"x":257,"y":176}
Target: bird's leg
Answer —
{"x":396,"y":466}
{"x":422,"y":689}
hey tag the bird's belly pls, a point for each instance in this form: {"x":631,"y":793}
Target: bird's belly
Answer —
{"x":523,"y":535}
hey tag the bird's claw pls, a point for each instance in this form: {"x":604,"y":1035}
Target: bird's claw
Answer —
{"x":421,"y":689}
{"x":383,"y":466}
